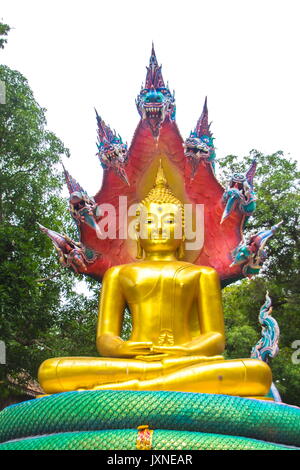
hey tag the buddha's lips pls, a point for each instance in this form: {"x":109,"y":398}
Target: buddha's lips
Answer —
{"x":159,"y":238}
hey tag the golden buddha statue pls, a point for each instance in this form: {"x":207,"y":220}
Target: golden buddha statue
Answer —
{"x":177,"y":321}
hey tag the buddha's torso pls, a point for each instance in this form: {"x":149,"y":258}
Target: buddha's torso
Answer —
{"x":161,"y":297}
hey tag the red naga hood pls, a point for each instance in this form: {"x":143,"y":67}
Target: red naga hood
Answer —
{"x":109,"y":245}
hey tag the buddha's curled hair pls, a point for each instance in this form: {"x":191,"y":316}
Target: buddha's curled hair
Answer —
{"x":161,"y":193}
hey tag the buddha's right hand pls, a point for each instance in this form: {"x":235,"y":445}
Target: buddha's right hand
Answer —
{"x":114,"y":346}
{"x":135,"y":348}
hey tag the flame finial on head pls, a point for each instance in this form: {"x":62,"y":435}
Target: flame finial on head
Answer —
{"x":161,"y":192}
{"x":160,"y":180}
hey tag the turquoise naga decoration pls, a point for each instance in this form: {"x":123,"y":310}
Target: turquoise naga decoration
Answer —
{"x":199,"y":146}
{"x":82,"y":207}
{"x":252,"y":254}
{"x":240,"y":194}
{"x":112,"y":152}
{"x":155,"y":103}
{"x":267,"y":346}
{"x":71,"y":253}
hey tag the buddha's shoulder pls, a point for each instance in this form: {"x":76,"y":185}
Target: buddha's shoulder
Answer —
{"x":115,"y":271}
{"x":194,"y":267}
{"x":206,"y":270}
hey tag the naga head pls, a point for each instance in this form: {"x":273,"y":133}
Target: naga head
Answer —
{"x":82,"y":207}
{"x":243,"y":181}
{"x":155,"y":102}
{"x":194,"y":147}
{"x":196,"y":150}
{"x":199,"y":146}
{"x":241,"y":254}
{"x":253,"y":254}
{"x":112,"y":152}
{"x":237,"y":181}
{"x":71,"y":253}
{"x":240,"y":193}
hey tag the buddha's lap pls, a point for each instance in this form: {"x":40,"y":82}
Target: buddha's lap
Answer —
{"x":71,"y":373}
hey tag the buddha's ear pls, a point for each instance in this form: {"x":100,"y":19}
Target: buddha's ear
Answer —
{"x":180,"y":250}
{"x":139,"y":251}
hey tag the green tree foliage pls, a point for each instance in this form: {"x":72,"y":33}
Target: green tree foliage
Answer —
{"x":31,"y":282}
{"x":40,"y":314}
{"x":4,"y":30}
{"x":277,"y":187}
{"x":73,"y":332}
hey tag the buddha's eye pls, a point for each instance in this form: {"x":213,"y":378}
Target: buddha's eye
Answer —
{"x":169,"y":221}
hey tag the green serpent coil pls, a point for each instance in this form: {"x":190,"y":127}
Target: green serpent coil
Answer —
{"x":108,"y":420}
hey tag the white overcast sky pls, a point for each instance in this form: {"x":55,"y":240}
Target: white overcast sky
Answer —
{"x":79,"y":54}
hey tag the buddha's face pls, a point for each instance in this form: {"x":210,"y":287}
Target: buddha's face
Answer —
{"x":160,"y":227}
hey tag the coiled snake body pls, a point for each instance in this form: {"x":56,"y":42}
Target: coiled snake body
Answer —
{"x":148,"y":420}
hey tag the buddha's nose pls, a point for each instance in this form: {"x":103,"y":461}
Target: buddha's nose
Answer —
{"x":159,"y":226}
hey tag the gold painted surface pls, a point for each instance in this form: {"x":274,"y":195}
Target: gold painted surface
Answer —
{"x":144,"y":438}
{"x":175,"y":183}
{"x":177,"y":337}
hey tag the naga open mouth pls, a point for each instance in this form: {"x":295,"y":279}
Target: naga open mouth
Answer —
{"x":153,"y":111}
{"x":192,"y":152}
{"x":195,"y":149}
{"x":154,"y":114}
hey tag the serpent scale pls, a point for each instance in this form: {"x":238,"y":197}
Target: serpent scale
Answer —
{"x":108,"y":420}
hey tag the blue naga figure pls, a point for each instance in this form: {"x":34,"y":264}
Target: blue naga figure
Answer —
{"x":199,"y":146}
{"x":267,"y":347}
{"x":112,"y":152}
{"x":240,"y":194}
{"x":155,"y":102}
{"x":252,"y":254}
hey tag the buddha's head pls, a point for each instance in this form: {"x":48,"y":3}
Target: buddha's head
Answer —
{"x":160,"y":220}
